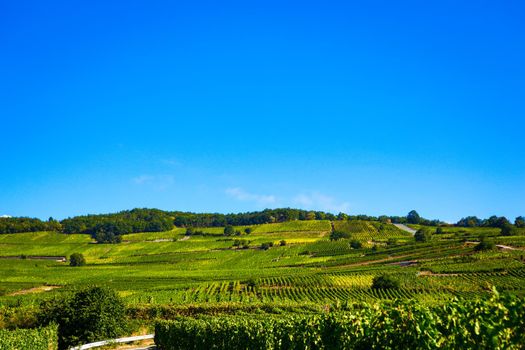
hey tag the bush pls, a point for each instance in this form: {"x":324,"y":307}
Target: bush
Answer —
{"x":266,"y":245}
{"x":77,"y":259}
{"x":484,"y":244}
{"x":508,"y":230}
{"x":228,"y":230}
{"x":423,"y":235}
{"x":247,"y":230}
{"x":337,"y":235}
{"x":384,"y":282}
{"x":91,"y":314}
{"x":45,"y":338}
{"x":356,"y":244}
{"x":282,"y":243}
{"x":439,"y":230}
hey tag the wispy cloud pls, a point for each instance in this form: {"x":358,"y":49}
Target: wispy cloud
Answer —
{"x":171,"y":162}
{"x":158,"y":182}
{"x":242,"y":195}
{"x":319,"y":201}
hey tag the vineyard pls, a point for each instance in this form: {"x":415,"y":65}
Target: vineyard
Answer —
{"x":281,"y":268}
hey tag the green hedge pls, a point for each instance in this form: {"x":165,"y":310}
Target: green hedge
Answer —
{"x":45,"y":338}
{"x":496,"y":323}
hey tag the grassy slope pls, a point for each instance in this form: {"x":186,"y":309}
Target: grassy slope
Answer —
{"x":309,"y":268}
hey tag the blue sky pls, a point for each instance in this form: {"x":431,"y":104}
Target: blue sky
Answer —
{"x":373,"y":107}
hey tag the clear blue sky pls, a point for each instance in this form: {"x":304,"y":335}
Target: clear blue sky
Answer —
{"x":374,"y":107}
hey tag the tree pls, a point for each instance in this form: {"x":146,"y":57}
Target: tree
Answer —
{"x":439,"y":230}
{"x":423,"y":235}
{"x":384,"y":282}
{"x":484,"y":244}
{"x":520,"y":221}
{"x":190,"y":231}
{"x":282,"y":243}
{"x":337,"y":235}
{"x":507,"y":230}
{"x":229,"y":230}
{"x":91,"y":314}
{"x":496,"y":221}
{"x":266,"y":245}
{"x":247,"y":230}
{"x":355,"y":244}
{"x":413,"y":217}
{"x":469,"y":221}
{"x":77,"y":259}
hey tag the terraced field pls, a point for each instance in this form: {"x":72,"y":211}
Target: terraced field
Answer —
{"x":302,"y":269}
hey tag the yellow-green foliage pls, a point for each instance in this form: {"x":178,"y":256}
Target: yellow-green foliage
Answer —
{"x":29,"y":339}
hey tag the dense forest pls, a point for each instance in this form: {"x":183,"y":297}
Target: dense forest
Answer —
{"x":109,"y":227}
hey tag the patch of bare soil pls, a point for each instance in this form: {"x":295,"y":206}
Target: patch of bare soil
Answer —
{"x":39,"y":289}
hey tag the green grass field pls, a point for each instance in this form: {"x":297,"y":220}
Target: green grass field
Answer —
{"x":167,"y":268}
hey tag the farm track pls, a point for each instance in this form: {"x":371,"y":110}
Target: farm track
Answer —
{"x":40,"y":289}
{"x":405,"y":228}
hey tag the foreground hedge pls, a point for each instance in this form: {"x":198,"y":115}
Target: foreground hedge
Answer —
{"x":496,"y":323}
{"x":29,"y":339}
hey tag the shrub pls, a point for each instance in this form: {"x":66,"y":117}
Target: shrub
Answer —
{"x":423,"y":235}
{"x":77,"y":259}
{"x":228,"y":230}
{"x":384,"y":282}
{"x":266,"y":245}
{"x":508,"y":230}
{"x":356,"y":244}
{"x":439,"y":230}
{"x":282,"y":243}
{"x":337,"y":235}
{"x":484,"y":244}
{"x":247,"y":230}
{"x":91,"y":314}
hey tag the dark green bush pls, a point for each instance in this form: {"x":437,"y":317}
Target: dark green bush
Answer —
{"x":77,"y":259}
{"x":423,"y":235}
{"x":384,"y":282}
{"x":91,"y":314}
{"x":337,"y":235}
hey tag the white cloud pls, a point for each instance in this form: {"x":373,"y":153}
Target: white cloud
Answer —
{"x":319,"y":201}
{"x":241,"y":195}
{"x":158,"y":182}
{"x":6,"y":216}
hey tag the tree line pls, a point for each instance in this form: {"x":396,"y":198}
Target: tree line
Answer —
{"x":109,"y":227}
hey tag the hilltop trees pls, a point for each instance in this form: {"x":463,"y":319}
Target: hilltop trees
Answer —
{"x":15,"y":225}
{"x":520,"y":221}
{"x":107,"y":228}
{"x":413,"y":217}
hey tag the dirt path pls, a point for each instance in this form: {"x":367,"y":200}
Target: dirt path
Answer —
{"x":34,"y":290}
{"x":405,"y":228}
